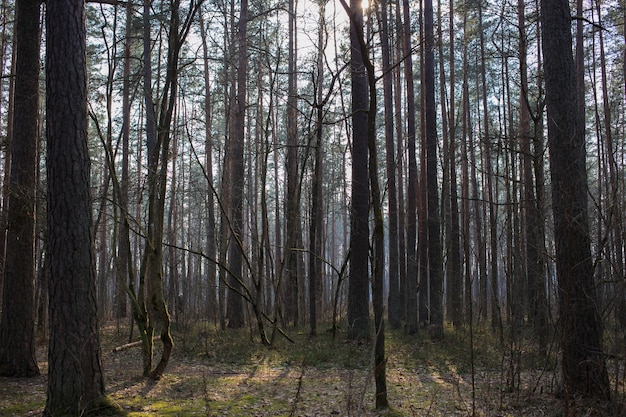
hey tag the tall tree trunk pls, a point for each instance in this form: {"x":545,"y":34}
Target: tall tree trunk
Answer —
{"x":124,"y":262}
{"x":75,"y":378}
{"x":4,"y":202}
{"x":292,"y":209}
{"x":454,"y":274}
{"x":435,"y":256}
{"x":493,"y":223}
{"x":315,"y":230}
{"x":533,"y":235}
{"x":211,"y":244}
{"x":390,"y":159}
{"x":358,"y":284}
{"x":584,"y":368}
{"x":235,"y":311}
{"x":399,"y":170}
{"x":614,"y":216}
{"x":17,"y":323}
{"x":411,"y":195}
{"x":465,"y":182}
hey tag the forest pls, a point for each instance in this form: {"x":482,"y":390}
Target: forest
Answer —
{"x":313,"y":207}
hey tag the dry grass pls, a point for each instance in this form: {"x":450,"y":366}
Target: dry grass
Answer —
{"x":214,"y":373}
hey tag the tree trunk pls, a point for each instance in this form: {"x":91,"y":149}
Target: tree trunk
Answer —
{"x":411,"y":195}
{"x":235,"y":311}
{"x":292,"y":209}
{"x":435,"y":257}
{"x":584,"y":368}
{"x":211,"y":245}
{"x":75,"y":379}
{"x":358,"y":284}
{"x":454,"y":274}
{"x":17,"y":324}
{"x":315,"y":229}
{"x":4,"y":202}
{"x":533,"y":237}
{"x":390,"y":159}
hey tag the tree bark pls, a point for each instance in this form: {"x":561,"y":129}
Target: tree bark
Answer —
{"x":235,"y":311}
{"x":584,"y":368}
{"x":435,"y":256}
{"x":454,"y":274}
{"x":17,"y":324}
{"x":390,"y":159}
{"x":358,"y":283}
{"x":411,"y":195}
{"x":75,"y":379}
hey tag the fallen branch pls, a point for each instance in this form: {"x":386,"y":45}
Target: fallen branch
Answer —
{"x":126,"y":346}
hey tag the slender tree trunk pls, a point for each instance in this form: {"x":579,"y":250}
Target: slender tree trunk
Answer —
{"x":614,"y":211}
{"x":493,"y":223}
{"x":466,"y":150}
{"x":211,"y":244}
{"x":17,"y":323}
{"x":390,"y":159}
{"x":411,"y":195}
{"x":399,"y":124}
{"x":584,"y":368}
{"x":235,"y":311}
{"x":315,"y":233}
{"x":124,"y":261}
{"x":292,"y":209}
{"x":533,"y":236}
{"x":435,"y":256}
{"x":454,"y":275}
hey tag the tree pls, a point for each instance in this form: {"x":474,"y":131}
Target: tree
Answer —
{"x":17,"y":324}
{"x":434,"y":235}
{"x":411,"y":195}
{"x":390,"y":164}
{"x":584,"y":367}
{"x":358,"y":284}
{"x":533,"y":224}
{"x":292,"y":204}
{"x":75,"y":379}
{"x":237,"y":174}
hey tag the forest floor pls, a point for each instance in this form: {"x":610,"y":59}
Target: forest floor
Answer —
{"x":215,"y":373}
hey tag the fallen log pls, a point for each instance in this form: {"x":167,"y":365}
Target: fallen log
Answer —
{"x":126,"y":346}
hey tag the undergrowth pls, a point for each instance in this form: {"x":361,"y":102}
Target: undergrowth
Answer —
{"x":230,"y":373}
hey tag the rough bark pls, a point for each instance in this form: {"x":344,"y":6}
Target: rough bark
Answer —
{"x":584,"y":368}
{"x":435,"y":256}
{"x":358,"y":283}
{"x":390,"y":159}
{"x":75,"y":379}
{"x":17,"y":324}
{"x":411,"y":194}
{"x":235,"y":311}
